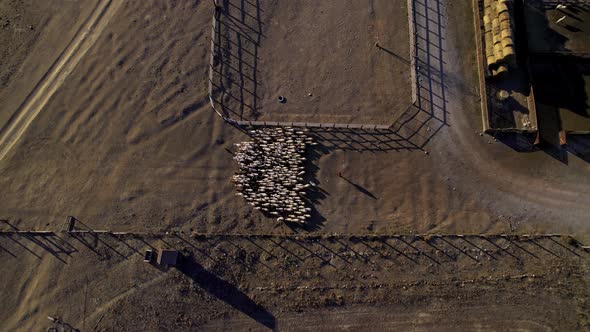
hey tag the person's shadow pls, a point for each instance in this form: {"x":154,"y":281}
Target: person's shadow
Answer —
{"x":358,"y":187}
{"x":225,"y":291}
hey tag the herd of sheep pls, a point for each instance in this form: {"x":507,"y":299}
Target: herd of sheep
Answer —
{"x":271,"y":172}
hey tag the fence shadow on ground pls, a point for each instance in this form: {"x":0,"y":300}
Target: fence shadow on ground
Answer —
{"x":247,"y":250}
{"x":226,"y":292}
{"x":206,"y":258}
{"x":237,"y":34}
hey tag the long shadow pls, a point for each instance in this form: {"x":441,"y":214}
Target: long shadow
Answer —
{"x":23,"y":246}
{"x":395,"y":55}
{"x":319,"y":242}
{"x":557,"y":77}
{"x":201,"y":251}
{"x":45,"y":242}
{"x":346,"y":246}
{"x":315,"y":194}
{"x":361,"y":140}
{"x":45,"y":247}
{"x":359,"y":187}
{"x":457,"y":248}
{"x":49,"y":242}
{"x":520,"y":142}
{"x":226,"y":292}
{"x":579,"y":145}
{"x":533,"y":241}
{"x":520,"y":247}
{"x":501,"y":248}
{"x":121,"y":239}
{"x":280,"y":245}
{"x":96,"y":236}
{"x":373,"y":249}
{"x":419,"y":251}
{"x":384,"y":241}
{"x":237,"y":36}
{"x":431,"y":103}
{"x":479,"y":248}
{"x":3,"y":249}
{"x":564,"y":247}
{"x":433,"y":246}
{"x":81,"y":238}
{"x":311,"y":252}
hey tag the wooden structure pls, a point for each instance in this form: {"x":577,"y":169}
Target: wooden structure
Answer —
{"x":499,"y":36}
{"x":167,"y":257}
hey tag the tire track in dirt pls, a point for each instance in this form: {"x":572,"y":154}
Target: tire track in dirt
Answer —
{"x":103,"y":308}
{"x":58,"y":73}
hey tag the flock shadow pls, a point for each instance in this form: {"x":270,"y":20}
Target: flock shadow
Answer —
{"x":240,"y":26}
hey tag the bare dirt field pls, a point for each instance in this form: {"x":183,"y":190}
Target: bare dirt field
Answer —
{"x":129,"y":142}
{"x":336,"y":61}
{"x":297,"y":283}
{"x":33,"y":37}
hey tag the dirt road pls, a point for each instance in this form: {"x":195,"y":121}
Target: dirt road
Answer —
{"x":357,"y":318}
{"x":56,"y":75}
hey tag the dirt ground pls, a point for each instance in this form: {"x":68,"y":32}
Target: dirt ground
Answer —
{"x":323,"y":58}
{"x":33,"y":34}
{"x":297,"y":283}
{"x":128,"y":142}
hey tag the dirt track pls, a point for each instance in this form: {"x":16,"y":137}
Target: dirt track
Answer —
{"x":129,"y":142}
{"x":52,"y":81}
{"x":227,"y":281}
{"x":357,"y":318}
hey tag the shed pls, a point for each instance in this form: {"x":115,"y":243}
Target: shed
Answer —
{"x":167,"y":257}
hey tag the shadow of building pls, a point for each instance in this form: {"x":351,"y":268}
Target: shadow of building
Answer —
{"x":226,"y":292}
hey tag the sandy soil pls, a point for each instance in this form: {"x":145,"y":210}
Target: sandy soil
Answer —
{"x":330,"y":69}
{"x":289,"y":283}
{"x":128,"y":142}
{"x":34,"y":34}
{"x":56,"y":75}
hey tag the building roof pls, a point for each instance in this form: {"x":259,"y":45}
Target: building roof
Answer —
{"x":167,"y":257}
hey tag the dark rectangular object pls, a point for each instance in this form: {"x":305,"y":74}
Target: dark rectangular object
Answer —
{"x":168,"y":257}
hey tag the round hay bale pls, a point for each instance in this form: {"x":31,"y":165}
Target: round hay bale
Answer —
{"x":507,"y":42}
{"x":504,"y":16}
{"x":498,"y":51}
{"x":502,"y":94}
{"x":491,"y":61}
{"x":489,"y":50}
{"x":504,"y":25}
{"x":502,"y":7}
{"x":508,"y":51}
{"x":489,"y":39}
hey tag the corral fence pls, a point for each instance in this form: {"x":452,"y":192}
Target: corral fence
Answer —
{"x":422,"y":120}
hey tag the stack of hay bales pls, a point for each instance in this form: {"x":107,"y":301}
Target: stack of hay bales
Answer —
{"x":499,"y":36}
{"x":271,"y":171}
